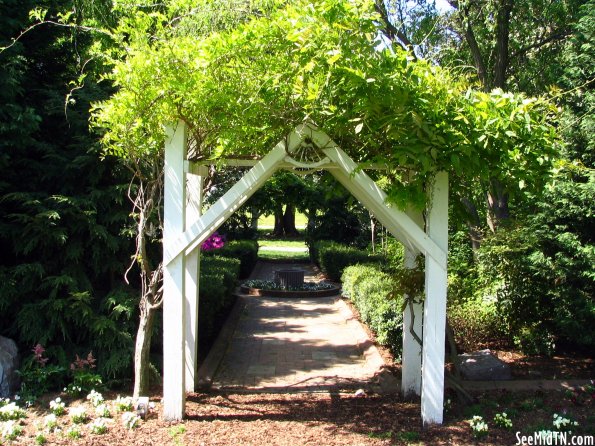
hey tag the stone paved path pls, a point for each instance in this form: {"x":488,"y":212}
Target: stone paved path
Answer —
{"x":285,"y":344}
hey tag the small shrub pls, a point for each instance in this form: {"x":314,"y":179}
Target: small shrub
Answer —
{"x":10,"y":430}
{"x":98,"y":426}
{"x":74,"y":433}
{"x":124,"y":404}
{"x":11,"y":411}
{"x":78,"y":414}
{"x":95,"y":398}
{"x":478,"y":426}
{"x":130,"y":420}
{"x":502,"y":420}
{"x":40,"y":439}
{"x":535,"y":339}
{"x":475,"y":323}
{"x":57,"y":407}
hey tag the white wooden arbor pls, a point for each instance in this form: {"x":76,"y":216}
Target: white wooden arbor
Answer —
{"x":307,"y":147}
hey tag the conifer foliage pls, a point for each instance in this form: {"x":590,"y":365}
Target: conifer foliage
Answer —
{"x":62,"y":208}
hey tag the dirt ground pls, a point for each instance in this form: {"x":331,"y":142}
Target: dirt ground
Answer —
{"x":325,"y":419}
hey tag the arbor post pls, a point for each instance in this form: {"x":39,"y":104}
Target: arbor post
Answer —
{"x":411,"y":360}
{"x":174,"y":206}
{"x":194,"y":179}
{"x":434,"y":323}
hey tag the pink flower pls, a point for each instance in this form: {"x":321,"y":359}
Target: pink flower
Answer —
{"x":215,"y":241}
{"x":38,"y":351}
{"x":80,"y":363}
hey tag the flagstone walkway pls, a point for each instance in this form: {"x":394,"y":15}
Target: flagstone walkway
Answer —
{"x":298,"y":344}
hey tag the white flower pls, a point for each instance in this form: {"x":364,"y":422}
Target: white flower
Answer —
{"x":95,"y":398}
{"x":57,"y":406}
{"x":10,"y":430}
{"x":559,"y":421}
{"x":130,"y":420}
{"x":51,"y":422}
{"x":478,"y":426}
{"x":78,"y":414}
{"x":99,"y":426}
{"x":11,"y":411}
{"x":124,"y":404}
{"x":102,"y":411}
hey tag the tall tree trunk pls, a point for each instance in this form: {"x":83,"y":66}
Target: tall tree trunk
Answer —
{"x":498,"y":211}
{"x":473,"y":223}
{"x":278,"y":229}
{"x":502,"y":37}
{"x":478,"y":59}
{"x":142,"y":350}
{"x":147,"y":199}
{"x":373,"y":231}
{"x":255,"y":214}
{"x":289,"y":221}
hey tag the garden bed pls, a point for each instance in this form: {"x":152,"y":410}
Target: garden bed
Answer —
{"x":271,"y":289}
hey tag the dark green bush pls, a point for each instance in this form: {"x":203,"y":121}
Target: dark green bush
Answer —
{"x":218,"y":278}
{"x":246,"y":251}
{"x":476,"y":324}
{"x":333,"y":257}
{"x":373,"y":292}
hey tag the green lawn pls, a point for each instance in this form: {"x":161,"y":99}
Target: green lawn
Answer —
{"x":276,"y":242}
{"x":283,"y":249}
{"x":268,"y":222}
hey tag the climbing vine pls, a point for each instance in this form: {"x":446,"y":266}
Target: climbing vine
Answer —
{"x":241,"y":90}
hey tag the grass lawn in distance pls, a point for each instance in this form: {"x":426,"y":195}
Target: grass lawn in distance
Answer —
{"x":283,"y":249}
{"x":268,"y":222}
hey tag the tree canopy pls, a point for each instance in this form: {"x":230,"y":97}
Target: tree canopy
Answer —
{"x":242,"y":90}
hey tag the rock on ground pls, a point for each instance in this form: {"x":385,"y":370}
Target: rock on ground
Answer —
{"x":8,"y":367}
{"x":483,"y":365}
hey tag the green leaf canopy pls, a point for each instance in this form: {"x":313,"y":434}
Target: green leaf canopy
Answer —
{"x":242,"y":90}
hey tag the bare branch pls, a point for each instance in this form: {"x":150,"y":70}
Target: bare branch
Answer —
{"x":392,"y":32}
{"x":561,"y":35}
{"x":52,"y":22}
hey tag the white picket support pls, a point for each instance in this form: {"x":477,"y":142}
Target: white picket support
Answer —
{"x":223,"y":208}
{"x":411,"y":358}
{"x":191,"y":284}
{"x":174,"y":395}
{"x":434,"y":324}
{"x":185,"y":230}
{"x":374,"y":199}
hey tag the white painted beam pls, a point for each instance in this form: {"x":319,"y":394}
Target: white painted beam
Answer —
{"x":289,"y":164}
{"x":174,"y":395}
{"x":411,"y":359}
{"x":434,"y":325}
{"x":221,"y":210}
{"x":191,"y":284}
{"x":374,"y":199}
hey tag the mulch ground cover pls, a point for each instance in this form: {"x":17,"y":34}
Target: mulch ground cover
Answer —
{"x":326,"y":419}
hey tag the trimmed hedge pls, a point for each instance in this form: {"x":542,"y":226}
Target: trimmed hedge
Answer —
{"x":246,"y":251}
{"x":333,"y":257}
{"x":218,"y":279}
{"x":372,"y":291}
